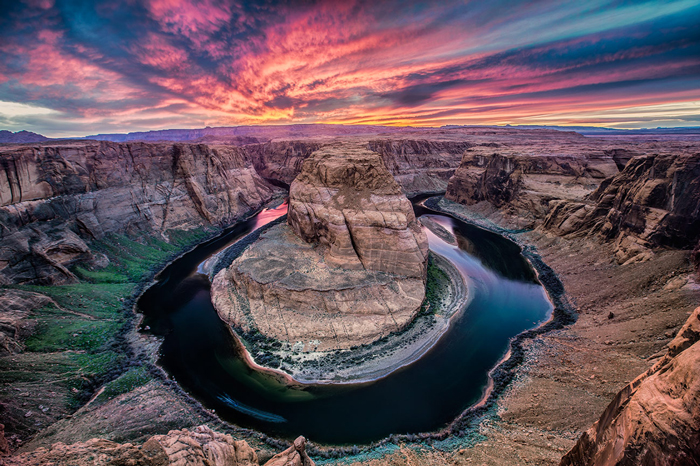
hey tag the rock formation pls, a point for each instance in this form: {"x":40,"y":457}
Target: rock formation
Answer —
{"x":198,"y":447}
{"x":523,"y":184}
{"x":348,"y":269}
{"x":351,"y":203}
{"x":420,"y":165}
{"x":654,"y":202}
{"x":201,"y":446}
{"x":55,"y":198}
{"x":280,"y":160}
{"x":656,"y":418}
{"x":292,"y":456}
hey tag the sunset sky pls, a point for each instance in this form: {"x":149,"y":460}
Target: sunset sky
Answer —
{"x":71,"y":68}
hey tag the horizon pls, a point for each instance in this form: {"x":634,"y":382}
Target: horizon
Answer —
{"x":573,"y":128}
{"x":91,"y":68}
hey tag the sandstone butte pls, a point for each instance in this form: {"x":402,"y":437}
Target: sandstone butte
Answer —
{"x":348,"y":268}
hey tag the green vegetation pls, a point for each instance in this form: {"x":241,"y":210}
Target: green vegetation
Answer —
{"x":78,"y":342}
{"x":133,"y":259}
{"x":436,"y":287}
{"x":129,"y":380}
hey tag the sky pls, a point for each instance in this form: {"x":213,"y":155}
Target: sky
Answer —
{"x":72,"y":68}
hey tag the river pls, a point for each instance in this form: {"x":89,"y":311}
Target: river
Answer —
{"x":200,"y":353}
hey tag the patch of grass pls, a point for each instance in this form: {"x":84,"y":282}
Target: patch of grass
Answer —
{"x":70,"y":333}
{"x":99,"y":301}
{"x":128,"y":381}
{"x":79,"y":343}
{"x":133,"y":259}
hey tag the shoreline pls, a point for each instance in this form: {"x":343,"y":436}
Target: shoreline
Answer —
{"x":393,"y":351}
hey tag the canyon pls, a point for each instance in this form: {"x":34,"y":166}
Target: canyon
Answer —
{"x":616,"y":220}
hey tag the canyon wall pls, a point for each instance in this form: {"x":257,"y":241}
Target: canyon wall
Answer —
{"x":420,"y":165}
{"x":655,"y":419}
{"x":280,"y":160}
{"x":55,"y":198}
{"x":654,"y":202}
{"x":524,"y":185}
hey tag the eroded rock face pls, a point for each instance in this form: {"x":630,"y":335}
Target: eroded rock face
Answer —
{"x":199,"y":447}
{"x":653,"y":202}
{"x":349,"y":202}
{"x":420,"y":165}
{"x":347,"y":269}
{"x":656,"y":418}
{"x":498,"y":181}
{"x":284,"y":287}
{"x":281,"y":160}
{"x":524,"y":185}
{"x":55,"y":198}
{"x":16,"y":323}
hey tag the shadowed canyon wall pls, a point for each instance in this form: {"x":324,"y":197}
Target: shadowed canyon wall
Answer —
{"x":55,"y":198}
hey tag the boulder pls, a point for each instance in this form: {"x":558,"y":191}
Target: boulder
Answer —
{"x":292,"y":456}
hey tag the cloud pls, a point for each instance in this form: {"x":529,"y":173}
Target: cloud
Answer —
{"x":106,"y":65}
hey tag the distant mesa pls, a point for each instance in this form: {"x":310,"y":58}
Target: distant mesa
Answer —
{"x":348,"y":268}
{"x":20,"y":137}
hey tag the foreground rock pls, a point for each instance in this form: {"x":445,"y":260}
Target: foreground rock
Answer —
{"x":202,"y":446}
{"x":56,"y":198}
{"x":292,"y":456}
{"x":348,"y":269}
{"x":656,"y":418}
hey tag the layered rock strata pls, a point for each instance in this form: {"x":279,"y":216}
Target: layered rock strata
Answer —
{"x":654,"y":202}
{"x":55,"y":198}
{"x":526,"y":183}
{"x":348,"y":268}
{"x":656,"y":418}
{"x":420,"y":165}
{"x":348,"y":201}
{"x":280,"y":160}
